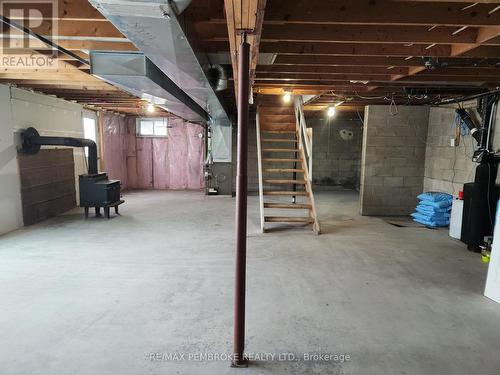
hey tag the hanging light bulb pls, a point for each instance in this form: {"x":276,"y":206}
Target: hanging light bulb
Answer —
{"x":331,"y":111}
{"x":150,"y":108}
{"x":287,"y":97}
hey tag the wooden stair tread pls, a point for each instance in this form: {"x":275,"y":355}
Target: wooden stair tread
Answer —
{"x":288,"y":219}
{"x":291,"y":182}
{"x":279,"y":131}
{"x":274,"y":160}
{"x":286,"y":192}
{"x":299,"y":206}
{"x":282,"y":170}
{"x":280,"y":150}
{"x":283,"y":140}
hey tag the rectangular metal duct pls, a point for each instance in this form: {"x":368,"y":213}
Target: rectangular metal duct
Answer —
{"x":152,"y":26}
{"x":136,"y":74}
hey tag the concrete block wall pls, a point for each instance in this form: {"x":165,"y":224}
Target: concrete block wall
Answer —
{"x":447,"y":168}
{"x":336,"y":161}
{"x":393,"y":159}
{"x":50,"y":116}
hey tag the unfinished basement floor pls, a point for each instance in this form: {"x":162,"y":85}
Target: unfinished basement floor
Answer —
{"x":99,"y":296}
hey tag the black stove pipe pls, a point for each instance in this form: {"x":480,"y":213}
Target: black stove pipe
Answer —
{"x":32,"y":141}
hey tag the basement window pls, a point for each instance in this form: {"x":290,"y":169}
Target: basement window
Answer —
{"x":89,"y":130}
{"x":152,"y":127}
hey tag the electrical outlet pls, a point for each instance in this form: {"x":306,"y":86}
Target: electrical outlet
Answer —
{"x":452,"y":142}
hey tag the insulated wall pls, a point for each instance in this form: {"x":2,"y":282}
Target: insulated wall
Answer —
{"x":175,"y":162}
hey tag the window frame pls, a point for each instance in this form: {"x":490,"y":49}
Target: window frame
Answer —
{"x":91,"y":116}
{"x":138,"y":127}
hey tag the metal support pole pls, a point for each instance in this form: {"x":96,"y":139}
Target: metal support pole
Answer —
{"x":241,"y":205}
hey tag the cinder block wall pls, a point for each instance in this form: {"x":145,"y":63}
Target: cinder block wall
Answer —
{"x":336,"y":160}
{"x":447,"y":168}
{"x":393,"y":159}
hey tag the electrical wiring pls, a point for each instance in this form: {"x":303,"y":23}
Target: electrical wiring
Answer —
{"x":360,"y":118}
{"x":370,"y":97}
{"x":393,"y":108}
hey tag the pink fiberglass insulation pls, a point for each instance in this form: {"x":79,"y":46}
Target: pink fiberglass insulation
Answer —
{"x":161,"y":167}
{"x":184,"y":160}
{"x":144,"y":151}
{"x":174,"y":162}
{"x":114,"y":139}
{"x":196,"y":156}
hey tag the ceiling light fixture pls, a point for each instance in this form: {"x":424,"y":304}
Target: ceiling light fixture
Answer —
{"x":287,"y":97}
{"x":331,"y":111}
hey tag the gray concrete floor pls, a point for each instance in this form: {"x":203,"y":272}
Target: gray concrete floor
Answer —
{"x":98,"y":297}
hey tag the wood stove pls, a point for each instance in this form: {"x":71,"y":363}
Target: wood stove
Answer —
{"x":96,"y":189}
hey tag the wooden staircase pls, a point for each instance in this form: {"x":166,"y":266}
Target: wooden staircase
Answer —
{"x":284,"y":149}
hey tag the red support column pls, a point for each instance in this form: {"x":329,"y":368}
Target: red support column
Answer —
{"x":241,"y":205}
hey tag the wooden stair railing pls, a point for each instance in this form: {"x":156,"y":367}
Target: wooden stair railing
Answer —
{"x":284,"y":153}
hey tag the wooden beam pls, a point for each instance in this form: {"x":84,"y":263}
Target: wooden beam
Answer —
{"x":71,"y":10}
{"x":314,"y":60}
{"x":78,"y":45}
{"x":82,"y":28}
{"x":315,"y":69}
{"x":455,"y":1}
{"x":366,"y":12}
{"x":73,"y":85}
{"x":352,"y":34}
{"x":484,"y":35}
{"x":241,"y":15}
{"x":341,"y":49}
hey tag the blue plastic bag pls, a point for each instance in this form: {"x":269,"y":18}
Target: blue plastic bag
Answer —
{"x":433,"y":196}
{"x":433,"y":224}
{"x":440,"y":204}
{"x":433,"y":217}
{"x":429,"y":210}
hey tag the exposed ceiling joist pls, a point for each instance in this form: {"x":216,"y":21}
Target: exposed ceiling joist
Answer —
{"x":364,"y":12}
{"x":243,"y":16}
{"x":353,"y":34}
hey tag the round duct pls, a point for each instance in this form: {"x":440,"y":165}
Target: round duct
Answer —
{"x":217,"y":77}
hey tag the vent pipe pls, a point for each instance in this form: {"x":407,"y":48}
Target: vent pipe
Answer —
{"x":32,"y":141}
{"x":217,"y":77}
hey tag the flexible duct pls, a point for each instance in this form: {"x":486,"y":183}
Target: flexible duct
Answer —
{"x":217,"y":77}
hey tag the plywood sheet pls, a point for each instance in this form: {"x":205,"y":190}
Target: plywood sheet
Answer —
{"x":47,"y":184}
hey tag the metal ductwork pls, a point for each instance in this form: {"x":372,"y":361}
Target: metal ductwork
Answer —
{"x":217,"y":77}
{"x":136,"y":74}
{"x":152,"y":26}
